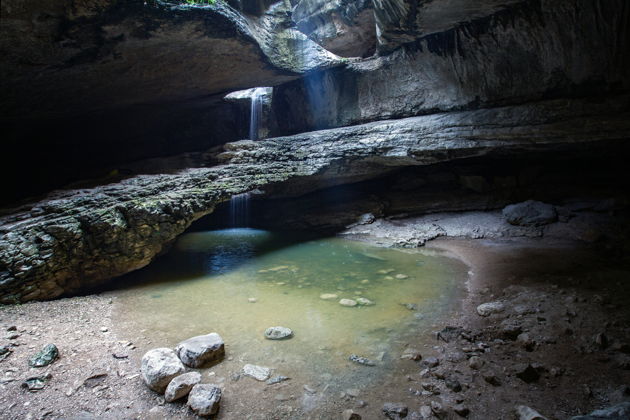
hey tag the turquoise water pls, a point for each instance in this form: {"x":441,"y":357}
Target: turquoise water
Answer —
{"x":239,"y":282}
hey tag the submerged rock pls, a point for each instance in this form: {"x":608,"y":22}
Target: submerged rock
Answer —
{"x":530,"y":213}
{"x":259,"y":373}
{"x":181,"y":385}
{"x":204,"y":399}
{"x":201,"y":350}
{"x":487,"y":309}
{"x":329,"y":296}
{"x":361,"y":360}
{"x":278,"y":333}
{"x":348,"y":302}
{"x":364,"y":302}
{"x":45,"y":357}
{"x":159,"y":367}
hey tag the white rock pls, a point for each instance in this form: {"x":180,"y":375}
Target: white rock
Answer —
{"x":402,"y":276}
{"x":181,"y":385}
{"x":348,"y":302}
{"x":487,"y":309}
{"x":259,"y":373}
{"x":204,"y":399}
{"x":328,"y":296}
{"x":364,"y":302}
{"x":278,"y":333}
{"x":252,"y":300}
{"x":159,"y":367}
{"x":201,"y":350}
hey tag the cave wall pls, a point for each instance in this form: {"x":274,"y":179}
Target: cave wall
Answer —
{"x":533,"y":50}
{"x":589,"y":177}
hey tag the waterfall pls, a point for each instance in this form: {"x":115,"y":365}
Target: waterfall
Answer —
{"x":239,"y":210}
{"x":255,"y":115}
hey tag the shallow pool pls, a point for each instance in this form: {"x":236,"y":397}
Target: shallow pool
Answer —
{"x":238,"y":282}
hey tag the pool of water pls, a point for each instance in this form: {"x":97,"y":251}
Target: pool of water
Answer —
{"x":209,"y":280}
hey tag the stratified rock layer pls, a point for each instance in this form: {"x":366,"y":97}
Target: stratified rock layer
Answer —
{"x":83,"y":238}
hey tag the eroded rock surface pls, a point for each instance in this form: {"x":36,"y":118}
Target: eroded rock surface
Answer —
{"x":82,"y":238}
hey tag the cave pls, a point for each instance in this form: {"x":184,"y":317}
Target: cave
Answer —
{"x":309,"y":209}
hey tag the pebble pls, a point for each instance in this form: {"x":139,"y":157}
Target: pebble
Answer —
{"x":252,"y":300}
{"x":364,"y":302}
{"x":361,"y":360}
{"x":329,"y":296}
{"x":348,"y":302}
{"x":487,"y":309}
{"x":402,"y":276}
{"x":277,"y":380}
{"x":395,"y":411}
{"x":475,"y":363}
{"x":431,"y":362}
{"x":259,"y":373}
{"x":411,"y":354}
{"x":104,"y":329}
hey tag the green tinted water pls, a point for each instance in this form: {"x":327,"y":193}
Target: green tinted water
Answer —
{"x":206,"y":282}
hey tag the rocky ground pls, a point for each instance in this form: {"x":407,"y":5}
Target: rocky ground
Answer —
{"x":555,"y":339}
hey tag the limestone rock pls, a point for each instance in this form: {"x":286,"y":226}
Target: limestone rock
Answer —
{"x":395,"y":411}
{"x":530,"y":213}
{"x":487,"y":309}
{"x":200,"y":350}
{"x":525,"y":413}
{"x":159,"y":367}
{"x":349,"y":414}
{"x":411,"y":354}
{"x":616,"y":412}
{"x":204,"y":399}
{"x":181,"y":385}
{"x":348,"y":302}
{"x":278,"y":333}
{"x":364,"y":302}
{"x":259,"y":373}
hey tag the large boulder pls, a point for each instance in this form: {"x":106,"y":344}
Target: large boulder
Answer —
{"x":204,"y":399}
{"x":159,"y":367}
{"x":199,"y":351}
{"x":530,"y":213}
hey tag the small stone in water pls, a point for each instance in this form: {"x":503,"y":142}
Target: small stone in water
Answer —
{"x":361,"y":360}
{"x":328,"y":296}
{"x":278,"y":333}
{"x":402,"y":276}
{"x":364,"y":302}
{"x":252,"y":300}
{"x":388,"y":278}
{"x":410,"y":306}
{"x":348,"y":302}
{"x":45,"y":357}
{"x":365,"y":281}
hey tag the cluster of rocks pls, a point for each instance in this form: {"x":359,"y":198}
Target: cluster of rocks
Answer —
{"x":163,"y":371}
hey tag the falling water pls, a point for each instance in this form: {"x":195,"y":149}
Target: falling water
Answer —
{"x":256,"y":113}
{"x":239,"y":210}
